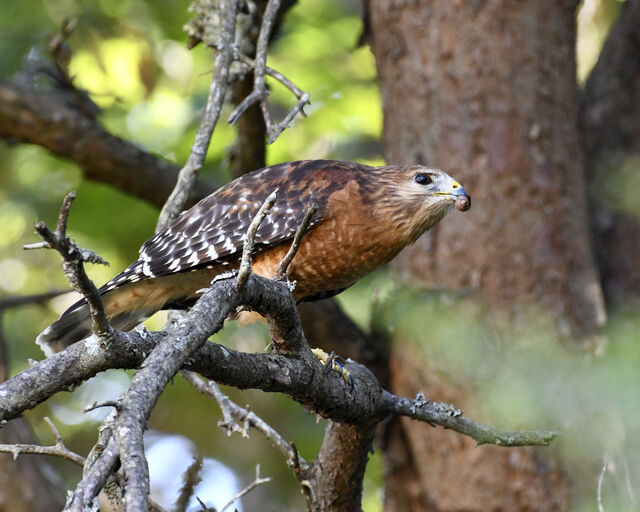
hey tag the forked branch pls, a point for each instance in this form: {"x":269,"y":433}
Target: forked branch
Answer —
{"x":58,"y":450}
{"x":232,"y":413}
{"x":260,"y":70}
{"x":74,"y":258}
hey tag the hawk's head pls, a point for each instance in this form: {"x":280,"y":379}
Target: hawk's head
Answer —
{"x":417,"y":197}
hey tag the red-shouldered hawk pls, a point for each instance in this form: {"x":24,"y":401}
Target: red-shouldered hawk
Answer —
{"x":365,"y":216}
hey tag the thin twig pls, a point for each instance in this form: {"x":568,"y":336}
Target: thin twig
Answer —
{"x":54,"y":430}
{"x":217,"y":91}
{"x":73,"y":258}
{"x":34,"y":449}
{"x":213,"y":391}
{"x":448,"y":416}
{"x":107,"y":403}
{"x":36,"y":245}
{"x":275,"y":131}
{"x":231,"y":410}
{"x":192,"y":477}
{"x":302,"y":96}
{"x":58,"y":450}
{"x":250,"y":239}
{"x":204,"y":507}
{"x":242,"y":107}
{"x":603,"y":471}
{"x":63,"y":216}
{"x":260,"y":70}
{"x":61,"y":52}
{"x":273,"y":74}
{"x":256,"y":482}
{"x":283,"y":266}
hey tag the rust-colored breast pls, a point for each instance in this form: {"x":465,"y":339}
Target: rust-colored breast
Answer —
{"x":348,"y":244}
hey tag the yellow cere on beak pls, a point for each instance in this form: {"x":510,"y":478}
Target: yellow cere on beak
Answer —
{"x":456,"y":190}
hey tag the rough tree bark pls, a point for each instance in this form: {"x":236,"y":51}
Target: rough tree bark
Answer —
{"x":248,"y":152}
{"x":493,"y":99}
{"x":487,"y":90}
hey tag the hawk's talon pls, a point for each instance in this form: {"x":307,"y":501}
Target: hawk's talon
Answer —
{"x":291,"y":285}
{"x":330,"y":362}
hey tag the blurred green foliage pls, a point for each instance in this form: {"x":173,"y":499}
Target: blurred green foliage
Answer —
{"x":526,"y":380}
{"x":131,"y":56}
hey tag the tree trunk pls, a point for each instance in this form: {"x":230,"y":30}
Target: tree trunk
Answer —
{"x":436,"y":470}
{"x":487,"y":91}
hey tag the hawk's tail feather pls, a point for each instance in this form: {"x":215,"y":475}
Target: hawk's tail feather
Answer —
{"x":76,"y":325}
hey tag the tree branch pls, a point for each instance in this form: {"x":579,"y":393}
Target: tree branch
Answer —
{"x":301,"y":377}
{"x":250,"y":238}
{"x":45,"y":118}
{"x":336,"y":477}
{"x":192,"y":477}
{"x":59,"y":449}
{"x":447,"y":416}
{"x":256,"y":482}
{"x":298,"y":93}
{"x":101,"y":463}
{"x":260,"y":92}
{"x":164,"y":361}
{"x":232,"y":411}
{"x":248,"y":150}
{"x":23,"y":300}
{"x":73,"y":265}
{"x":283,"y":266}
{"x":189,"y":173}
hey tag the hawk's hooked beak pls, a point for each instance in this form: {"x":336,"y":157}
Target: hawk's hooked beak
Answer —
{"x":458,"y":195}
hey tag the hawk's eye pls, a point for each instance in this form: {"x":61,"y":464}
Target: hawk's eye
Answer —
{"x":423,"y":179}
